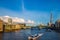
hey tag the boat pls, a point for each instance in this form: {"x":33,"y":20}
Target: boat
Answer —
{"x":35,"y":37}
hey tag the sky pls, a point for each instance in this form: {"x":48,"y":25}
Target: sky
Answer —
{"x":34,"y":11}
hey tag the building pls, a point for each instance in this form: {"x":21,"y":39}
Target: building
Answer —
{"x":7,"y":27}
{"x":23,"y":26}
{"x":28,"y":27}
{"x":10,"y":26}
{"x":1,"y":25}
{"x":16,"y":26}
{"x":50,"y":24}
{"x":42,"y":26}
{"x":57,"y":24}
{"x":9,"y":20}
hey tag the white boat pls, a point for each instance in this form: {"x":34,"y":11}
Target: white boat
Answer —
{"x":35,"y":37}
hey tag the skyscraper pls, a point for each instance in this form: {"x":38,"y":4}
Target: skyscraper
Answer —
{"x":51,"y":18}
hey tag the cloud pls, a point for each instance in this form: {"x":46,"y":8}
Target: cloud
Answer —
{"x":30,"y":21}
{"x":16,"y":19}
{"x":7,"y":16}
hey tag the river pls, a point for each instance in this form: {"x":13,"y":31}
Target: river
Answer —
{"x":24,"y":34}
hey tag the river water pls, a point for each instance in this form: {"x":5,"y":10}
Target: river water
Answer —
{"x":24,"y":34}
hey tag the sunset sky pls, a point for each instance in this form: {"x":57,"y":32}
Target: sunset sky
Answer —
{"x":35,"y":11}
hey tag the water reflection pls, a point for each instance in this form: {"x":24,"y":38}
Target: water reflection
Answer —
{"x":23,"y":35}
{"x":0,"y":36}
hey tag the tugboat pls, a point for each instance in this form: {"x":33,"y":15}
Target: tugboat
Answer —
{"x":34,"y":37}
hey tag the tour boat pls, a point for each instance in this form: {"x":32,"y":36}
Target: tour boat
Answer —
{"x":35,"y":37}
